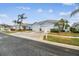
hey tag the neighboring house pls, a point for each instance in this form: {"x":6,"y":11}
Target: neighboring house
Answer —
{"x":16,"y":26}
{"x":44,"y":25}
{"x":5,"y":27}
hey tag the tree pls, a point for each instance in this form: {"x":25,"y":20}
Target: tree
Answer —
{"x":15,"y":23}
{"x":20,"y":20}
{"x":74,"y":12}
{"x":62,"y":24}
{"x":66,"y":24}
{"x":57,"y":24}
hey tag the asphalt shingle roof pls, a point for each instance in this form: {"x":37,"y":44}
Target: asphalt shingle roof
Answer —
{"x":46,"y":21}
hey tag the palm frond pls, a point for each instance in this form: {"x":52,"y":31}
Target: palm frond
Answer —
{"x":74,"y":12}
{"x":14,"y":21}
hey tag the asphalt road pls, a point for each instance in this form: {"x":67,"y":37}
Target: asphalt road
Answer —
{"x":14,"y":46}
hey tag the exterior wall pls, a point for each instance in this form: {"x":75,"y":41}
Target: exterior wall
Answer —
{"x":42,"y":28}
{"x":47,"y":27}
{"x":4,"y":29}
{"x":36,"y":28}
{"x":28,"y":27}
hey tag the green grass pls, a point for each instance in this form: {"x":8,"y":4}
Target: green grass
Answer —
{"x":66,"y":34}
{"x":71,"y":41}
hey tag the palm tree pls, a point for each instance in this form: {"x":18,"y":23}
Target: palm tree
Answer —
{"x":57,"y":25}
{"x":74,"y":12}
{"x":20,"y":20}
{"x":15,"y":22}
{"x":61,"y":24}
{"x":66,"y":24}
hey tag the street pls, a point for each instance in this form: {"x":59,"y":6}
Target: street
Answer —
{"x":15,"y":46}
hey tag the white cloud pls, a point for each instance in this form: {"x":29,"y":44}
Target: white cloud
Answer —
{"x":64,"y":13}
{"x":50,"y":10}
{"x":24,"y":8}
{"x":3,"y":15}
{"x":40,"y":10}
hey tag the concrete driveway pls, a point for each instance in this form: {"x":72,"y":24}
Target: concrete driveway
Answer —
{"x":35,"y":35}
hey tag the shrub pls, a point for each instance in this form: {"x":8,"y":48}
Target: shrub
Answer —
{"x":54,"y":30}
{"x":12,"y":29}
{"x":62,"y":30}
{"x":74,"y":30}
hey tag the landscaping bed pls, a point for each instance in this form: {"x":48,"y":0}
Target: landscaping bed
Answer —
{"x":71,"y":41}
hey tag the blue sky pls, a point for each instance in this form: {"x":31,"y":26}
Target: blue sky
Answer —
{"x":37,"y":12}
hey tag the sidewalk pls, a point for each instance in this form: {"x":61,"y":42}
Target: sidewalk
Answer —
{"x":39,"y":37}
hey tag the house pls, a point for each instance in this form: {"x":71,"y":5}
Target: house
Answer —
{"x":5,"y":27}
{"x":44,"y":25}
{"x":29,"y":26}
{"x":17,"y":26}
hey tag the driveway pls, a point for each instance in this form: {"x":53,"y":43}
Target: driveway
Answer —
{"x":35,"y":35}
{"x":15,"y":46}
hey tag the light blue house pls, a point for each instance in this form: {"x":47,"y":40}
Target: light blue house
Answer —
{"x":29,"y":26}
{"x":44,"y":25}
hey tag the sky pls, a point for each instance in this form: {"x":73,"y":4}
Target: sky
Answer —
{"x":36,"y":12}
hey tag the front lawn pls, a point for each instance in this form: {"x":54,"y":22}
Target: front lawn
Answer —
{"x":71,"y":41}
{"x":65,"y":34}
